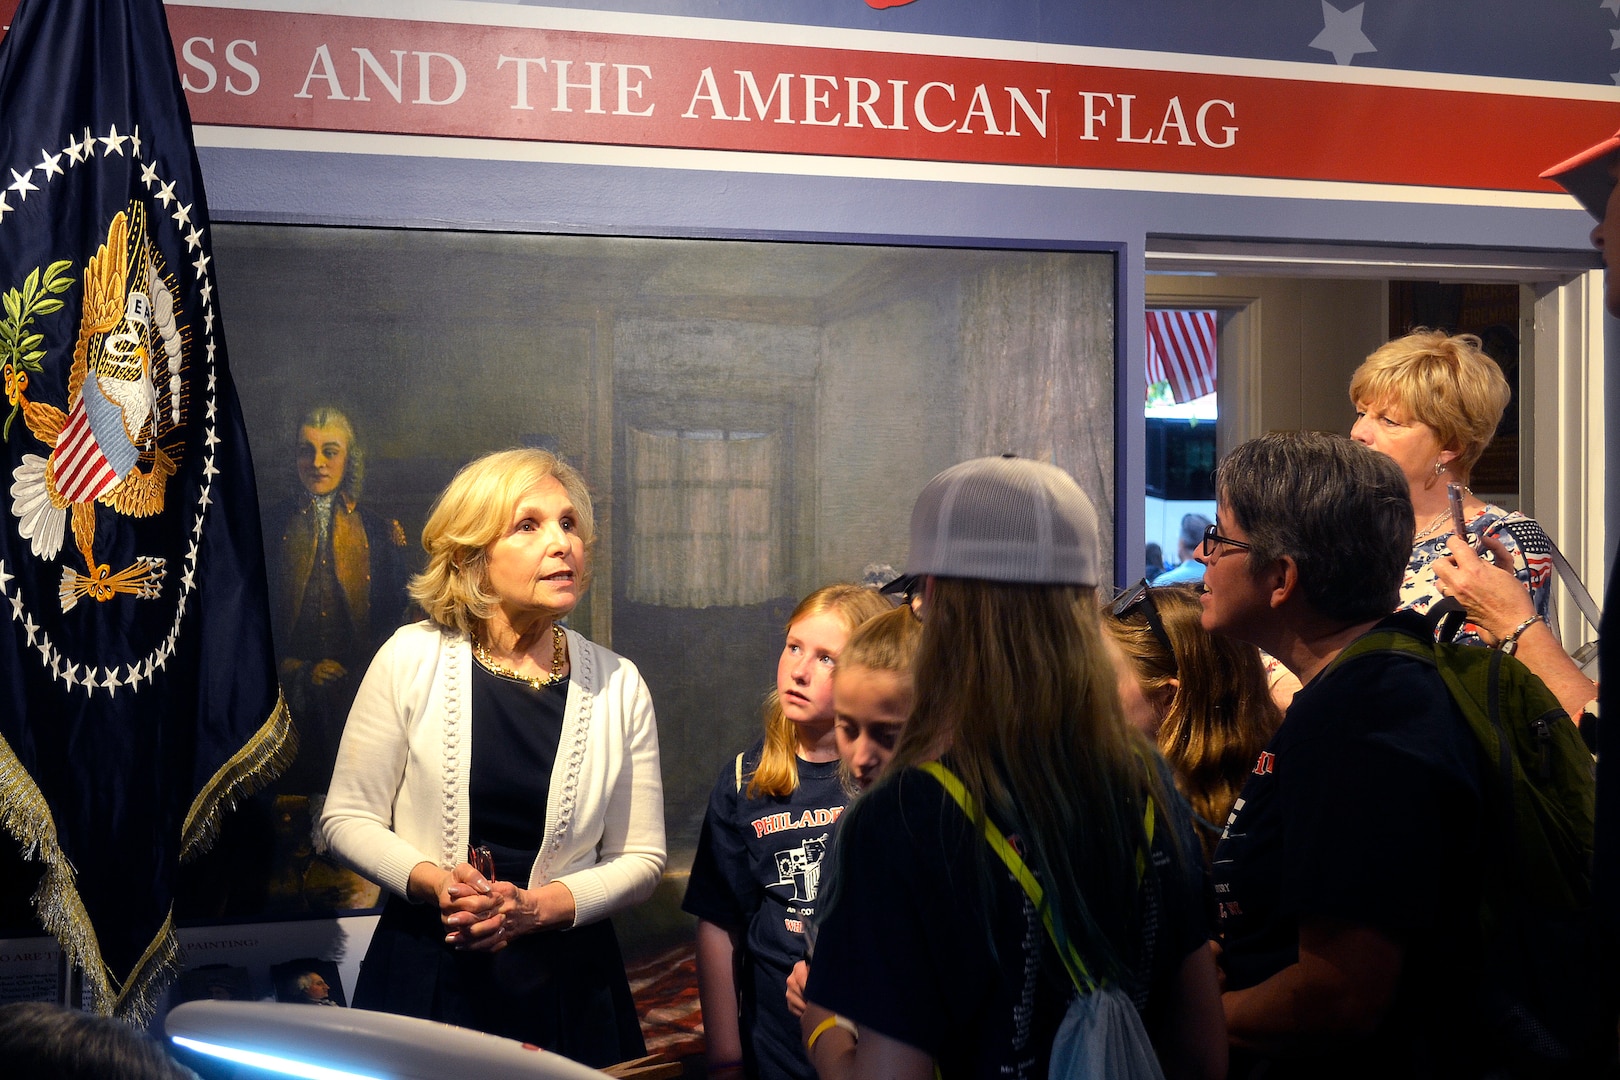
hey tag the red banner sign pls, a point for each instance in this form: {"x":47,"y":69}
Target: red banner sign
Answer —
{"x":343,"y":73}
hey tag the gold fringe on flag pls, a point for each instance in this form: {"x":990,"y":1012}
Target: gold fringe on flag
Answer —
{"x":27,"y":817}
{"x":263,"y":758}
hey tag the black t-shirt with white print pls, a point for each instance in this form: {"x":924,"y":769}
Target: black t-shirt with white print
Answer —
{"x":758,"y":870}
{"x":903,"y":949}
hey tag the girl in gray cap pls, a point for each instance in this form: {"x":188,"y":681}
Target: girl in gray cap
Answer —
{"x":931,"y":953}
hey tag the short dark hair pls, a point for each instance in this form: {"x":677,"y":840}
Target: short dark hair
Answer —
{"x":1192,"y":530}
{"x":1340,"y":510}
{"x":48,"y":1042}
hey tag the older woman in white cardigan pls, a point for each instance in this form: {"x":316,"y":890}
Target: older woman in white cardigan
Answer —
{"x":499,"y":776}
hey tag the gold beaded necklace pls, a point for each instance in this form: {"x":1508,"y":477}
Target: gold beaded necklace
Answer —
{"x":538,"y":682}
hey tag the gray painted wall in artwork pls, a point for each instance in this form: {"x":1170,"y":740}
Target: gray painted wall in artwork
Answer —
{"x":872,"y":367}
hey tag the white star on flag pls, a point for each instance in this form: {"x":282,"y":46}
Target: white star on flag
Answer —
{"x":148,"y":176}
{"x":113,"y":142}
{"x":50,"y":164}
{"x":182,"y":216}
{"x":135,"y":142}
{"x":21,"y":184}
{"x":1341,"y":33}
{"x":1611,"y":5}
{"x":165,"y":194}
{"x":75,"y":150}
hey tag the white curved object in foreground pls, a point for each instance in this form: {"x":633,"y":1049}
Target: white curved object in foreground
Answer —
{"x":337,"y":1044}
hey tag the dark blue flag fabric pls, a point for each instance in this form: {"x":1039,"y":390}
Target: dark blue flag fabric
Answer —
{"x":139,"y":691}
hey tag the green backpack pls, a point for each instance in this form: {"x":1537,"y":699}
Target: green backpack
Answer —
{"x":1538,"y":983}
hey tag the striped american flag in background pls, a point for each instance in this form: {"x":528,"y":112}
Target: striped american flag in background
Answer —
{"x":1181,"y":351}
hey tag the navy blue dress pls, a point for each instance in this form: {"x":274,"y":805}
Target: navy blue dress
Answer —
{"x":563,"y":990}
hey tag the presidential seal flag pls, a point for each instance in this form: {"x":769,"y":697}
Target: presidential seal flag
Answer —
{"x":140,"y":695}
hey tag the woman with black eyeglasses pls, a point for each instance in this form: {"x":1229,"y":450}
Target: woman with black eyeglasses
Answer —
{"x":1204,"y":697}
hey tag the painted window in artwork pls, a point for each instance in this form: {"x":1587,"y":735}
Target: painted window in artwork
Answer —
{"x":702,"y":531}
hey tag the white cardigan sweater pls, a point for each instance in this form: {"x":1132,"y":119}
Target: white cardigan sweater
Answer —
{"x":399,"y":793}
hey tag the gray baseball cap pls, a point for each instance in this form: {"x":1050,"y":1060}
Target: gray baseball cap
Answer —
{"x":1005,"y":519}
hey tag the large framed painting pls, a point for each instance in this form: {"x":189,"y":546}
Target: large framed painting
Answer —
{"x":754,"y":419}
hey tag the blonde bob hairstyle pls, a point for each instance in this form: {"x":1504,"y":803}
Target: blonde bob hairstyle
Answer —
{"x":471,"y":513}
{"x":1447,"y":383}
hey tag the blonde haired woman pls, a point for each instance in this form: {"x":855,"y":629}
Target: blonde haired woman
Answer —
{"x":757,"y":871}
{"x":489,"y":733}
{"x":1432,"y":402}
{"x":931,"y":960}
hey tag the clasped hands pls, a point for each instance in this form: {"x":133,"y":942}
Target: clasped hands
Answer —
{"x":480,"y":915}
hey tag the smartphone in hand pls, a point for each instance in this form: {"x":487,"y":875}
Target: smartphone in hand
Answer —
{"x":1454,"y":494}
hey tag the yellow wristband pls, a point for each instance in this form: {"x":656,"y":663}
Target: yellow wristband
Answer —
{"x":828,"y":1024}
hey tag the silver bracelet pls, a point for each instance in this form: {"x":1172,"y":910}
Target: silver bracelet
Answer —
{"x":1510,"y":644}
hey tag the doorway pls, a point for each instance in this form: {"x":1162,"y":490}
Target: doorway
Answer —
{"x":1295,"y":320}
{"x":1180,"y":413}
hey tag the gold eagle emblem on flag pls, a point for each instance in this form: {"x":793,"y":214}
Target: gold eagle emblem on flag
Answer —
{"x":125,"y":395}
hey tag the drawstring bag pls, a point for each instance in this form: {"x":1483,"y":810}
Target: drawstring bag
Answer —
{"x":1101,"y":1036}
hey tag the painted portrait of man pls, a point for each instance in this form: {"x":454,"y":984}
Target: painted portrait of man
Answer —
{"x":337,"y":590}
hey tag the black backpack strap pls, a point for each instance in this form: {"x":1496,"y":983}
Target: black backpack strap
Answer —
{"x":1446,"y":618}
